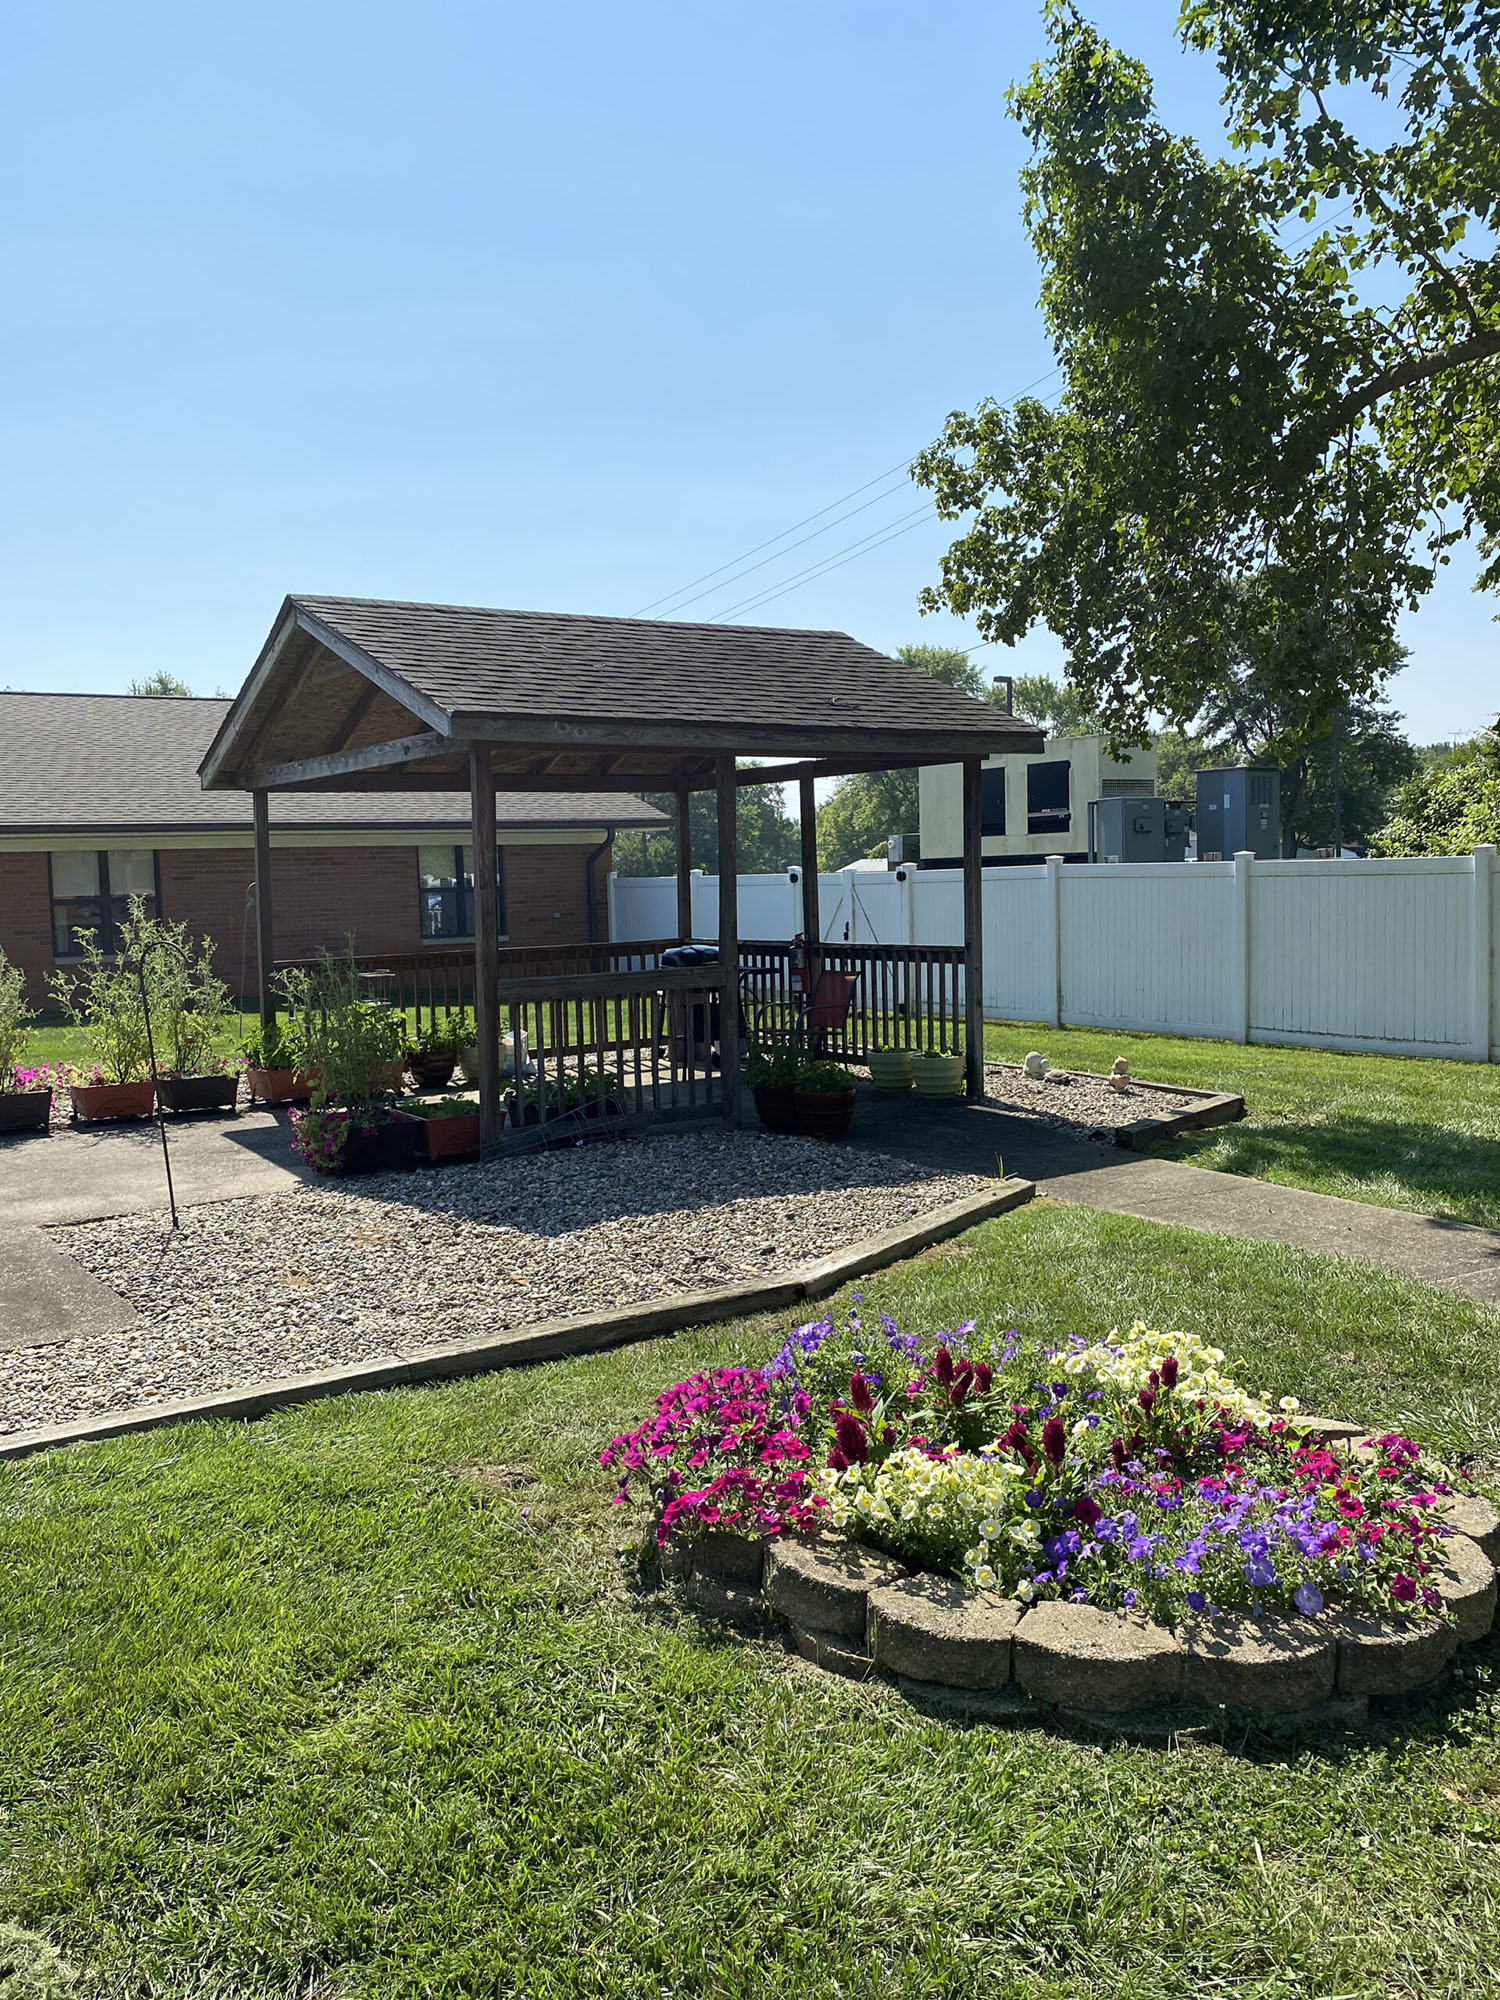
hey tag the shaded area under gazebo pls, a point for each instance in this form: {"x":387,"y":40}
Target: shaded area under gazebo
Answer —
{"x":352,"y":694}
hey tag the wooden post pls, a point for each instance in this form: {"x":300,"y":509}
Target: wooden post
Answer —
{"x":973,"y":929}
{"x":684,"y":867}
{"x":486,"y":943}
{"x":812,"y":925}
{"x":260,"y":810}
{"x":729,"y":937}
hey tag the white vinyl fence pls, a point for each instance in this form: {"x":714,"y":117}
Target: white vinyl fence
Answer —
{"x":1397,"y":957}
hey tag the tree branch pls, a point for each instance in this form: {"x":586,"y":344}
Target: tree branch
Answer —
{"x":1421,"y":367}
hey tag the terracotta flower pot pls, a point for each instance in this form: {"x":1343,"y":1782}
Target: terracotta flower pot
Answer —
{"x":95,"y":1101}
{"x":25,"y":1110}
{"x":938,"y":1076}
{"x":278,"y":1086}
{"x":198,"y":1093}
{"x":776,"y":1105}
{"x":451,"y":1138}
{"x":824,"y":1114}
{"x":890,"y":1069}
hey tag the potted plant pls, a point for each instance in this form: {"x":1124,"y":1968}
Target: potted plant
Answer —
{"x":270,"y":1070}
{"x":824,"y":1097}
{"x":349,"y":1045}
{"x":433,"y":1056}
{"x":450,"y":1127}
{"x":890,"y":1069}
{"x":104,"y":999}
{"x":25,"y":1094}
{"x":586,"y":1090}
{"x":468,"y":1051}
{"x":772,"y":1074}
{"x":938,"y":1072}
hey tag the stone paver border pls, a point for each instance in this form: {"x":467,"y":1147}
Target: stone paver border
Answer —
{"x":854,"y":1611}
{"x":548,"y":1340}
{"x":1209,"y":1107}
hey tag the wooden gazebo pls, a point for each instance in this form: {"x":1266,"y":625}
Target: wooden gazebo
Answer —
{"x":351,"y":694}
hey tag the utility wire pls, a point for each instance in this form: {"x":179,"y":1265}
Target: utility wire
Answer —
{"x":874,"y":540}
{"x":901,"y":466}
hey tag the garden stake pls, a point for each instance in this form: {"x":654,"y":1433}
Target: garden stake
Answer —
{"x":158,"y":944}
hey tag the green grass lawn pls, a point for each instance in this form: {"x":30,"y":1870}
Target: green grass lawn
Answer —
{"x":1399,"y":1131}
{"x":298,"y":1708}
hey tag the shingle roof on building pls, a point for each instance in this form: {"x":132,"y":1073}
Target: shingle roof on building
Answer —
{"x":77,"y":762}
{"x":468,"y":659}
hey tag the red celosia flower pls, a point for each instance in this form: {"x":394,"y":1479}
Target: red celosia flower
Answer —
{"x":1169,"y":1372}
{"x":1147,"y":1400}
{"x":860,"y":1394}
{"x":984,"y":1377}
{"x":942,"y":1367}
{"x":850,"y":1433}
{"x":1117,"y":1453}
{"x":1054,"y":1439}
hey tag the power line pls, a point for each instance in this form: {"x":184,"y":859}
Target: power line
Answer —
{"x":876,"y":539}
{"x":901,"y":465}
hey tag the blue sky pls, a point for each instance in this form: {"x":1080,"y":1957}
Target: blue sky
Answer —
{"x":545,"y":307}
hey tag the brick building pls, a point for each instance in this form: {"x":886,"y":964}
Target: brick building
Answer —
{"x":100,"y":800}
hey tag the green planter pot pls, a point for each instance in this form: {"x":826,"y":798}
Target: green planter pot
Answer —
{"x":938,"y":1076}
{"x":890,"y":1069}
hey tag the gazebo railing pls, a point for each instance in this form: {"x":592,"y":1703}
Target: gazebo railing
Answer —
{"x":908,"y":996}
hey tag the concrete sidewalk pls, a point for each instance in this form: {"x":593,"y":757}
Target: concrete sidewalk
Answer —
{"x":968,"y":1138}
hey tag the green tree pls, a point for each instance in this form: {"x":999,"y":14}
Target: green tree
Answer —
{"x":162,"y":683}
{"x":766,"y":835}
{"x":1451,"y":807}
{"x":862,"y":810}
{"x":1280,"y":396}
{"x":1052,"y":705}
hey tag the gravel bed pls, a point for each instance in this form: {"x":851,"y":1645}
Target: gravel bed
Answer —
{"x":350,"y":1271}
{"x":1076,"y":1100}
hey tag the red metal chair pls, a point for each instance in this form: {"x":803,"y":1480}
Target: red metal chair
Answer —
{"x":829,"y":1008}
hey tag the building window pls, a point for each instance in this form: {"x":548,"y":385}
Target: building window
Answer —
{"x":1047,"y":798}
{"x":91,"y":891}
{"x":445,"y":890}
{"x":992,"y":800}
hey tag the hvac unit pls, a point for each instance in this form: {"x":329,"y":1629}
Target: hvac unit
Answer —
{"x":1239,"y":812}
{"x":1139,"y":829}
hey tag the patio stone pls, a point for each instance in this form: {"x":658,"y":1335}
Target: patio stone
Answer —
{"x":1086,"y":1658}
{"x":728,"y":1557}
{"x":826,"y":1584}
{"x":1465,"y":1580}
{"x":832,"y":1652}
{"x":1385,"y":1656}
{"x":930,"y":1628}
{"x":1327,"y":1430}
{"x":1237,"y":1661}
{"x":1473,"y":1516}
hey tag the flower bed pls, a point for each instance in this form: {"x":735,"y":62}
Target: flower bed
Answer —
{"x":1106,"y":1524}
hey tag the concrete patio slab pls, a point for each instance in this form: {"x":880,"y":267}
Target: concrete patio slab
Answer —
{"x":82,"y":1173}
{"x":45,"y":1297}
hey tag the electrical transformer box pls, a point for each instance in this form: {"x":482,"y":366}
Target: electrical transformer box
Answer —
{"x":1143,"y":829}
{"x":1239,"y":812}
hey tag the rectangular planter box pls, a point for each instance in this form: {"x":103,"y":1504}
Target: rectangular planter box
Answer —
{"x":389,"y":1148}
{"x":451,"y":1138}
{"x":198,"y":1093}
{"x":278,"y":1086}
{"x":93,"y":1102}
{"x":25,"y":1110}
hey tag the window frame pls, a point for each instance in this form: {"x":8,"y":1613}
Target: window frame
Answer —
{"x":463,"y":894}
{"x":1050,"y":819}
{"x":109,"y":941}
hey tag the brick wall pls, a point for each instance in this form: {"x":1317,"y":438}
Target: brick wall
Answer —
{"x":319,"y":895}
{"x":26,"y":921}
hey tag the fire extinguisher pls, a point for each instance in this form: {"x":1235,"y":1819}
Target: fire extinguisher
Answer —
{"x":799,"y":966}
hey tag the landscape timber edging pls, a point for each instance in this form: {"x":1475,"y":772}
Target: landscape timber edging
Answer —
{"x":934,"y":1637}
{"x":548,"y":1340}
